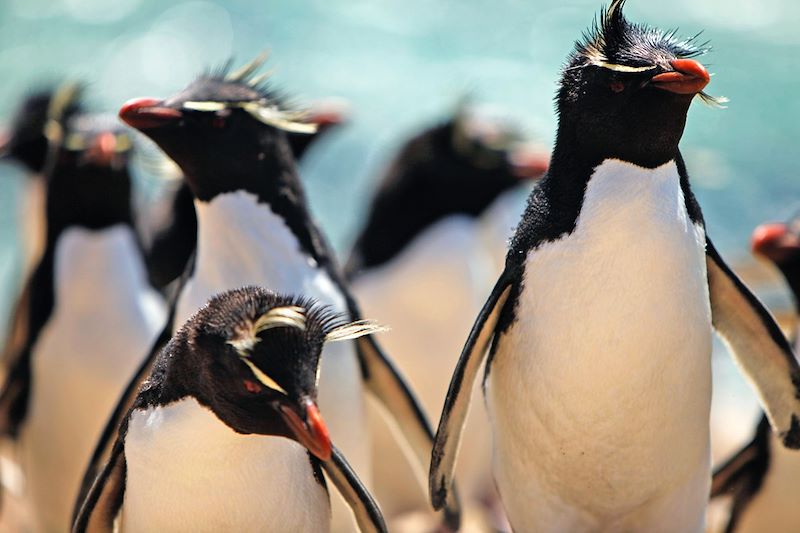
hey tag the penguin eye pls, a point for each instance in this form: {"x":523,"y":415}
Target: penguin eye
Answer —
{"x":616,"y":86}
{"x":218,"y":122}
{"x":251,"y":386}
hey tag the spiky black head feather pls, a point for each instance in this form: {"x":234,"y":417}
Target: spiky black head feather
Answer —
{"x":612,"y":39}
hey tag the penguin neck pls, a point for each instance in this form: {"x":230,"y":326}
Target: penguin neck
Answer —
{"x":73,"y":200}
{"x":554,"y":206}
{"x":243,"y":240}
{"x":269,"y":180}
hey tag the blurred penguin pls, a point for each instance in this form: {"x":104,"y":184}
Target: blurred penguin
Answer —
{"x":763,"y":478}
{"x":25,"y":145}
{"x":432,"y":245}
{"x":89,"y":314}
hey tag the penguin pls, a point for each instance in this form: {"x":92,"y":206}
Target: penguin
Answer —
{"x":425,"y":244}
{"x":26,"y":145}
{"x":227,"y":133}
{"x":225,"y":433}
{"x":174,"y":244}
{"x":91,"y":315}
{"x":598,"y":379}
{"x":762,"y":476}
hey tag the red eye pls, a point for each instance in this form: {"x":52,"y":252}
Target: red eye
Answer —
{"x":218,"y":122}
{"x":617,"y":86}
{"x":252,"y":386}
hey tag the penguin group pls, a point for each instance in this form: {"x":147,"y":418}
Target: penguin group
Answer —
{"x":225,"y":371}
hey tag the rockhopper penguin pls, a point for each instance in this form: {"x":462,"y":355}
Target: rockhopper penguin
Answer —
{"x":225,"y":434}
{"x":598,"y":381}
{"x":762,"y":477}
{"x":227,"y":132}
{"x":89,"y":312}
{"x":423,"y":262}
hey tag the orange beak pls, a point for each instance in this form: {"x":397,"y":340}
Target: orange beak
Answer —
{"x":143,"y":113}
{"x":311,"y":433}
{"x":689,"y":77}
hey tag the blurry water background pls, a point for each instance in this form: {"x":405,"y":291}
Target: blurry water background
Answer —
{"x":405,"y":63}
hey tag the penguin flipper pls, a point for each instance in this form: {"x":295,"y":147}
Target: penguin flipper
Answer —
{"x":758,"y":346}
{"x":97,"y":512}
{"x":456,"y":404}
{"x":366,"y":511}
{"x":743,"y":474}
{"x":750,"y":462}
{"x":384,"y":381}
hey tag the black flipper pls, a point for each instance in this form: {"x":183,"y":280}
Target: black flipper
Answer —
{"x":758,"y":345}
{"x":33,"y":310}
{"x":743,"y":474}
{"x":456,"y":404}
{"x":384,"y":381}
{"x":365,"y":509}
{"x":97,"y":512}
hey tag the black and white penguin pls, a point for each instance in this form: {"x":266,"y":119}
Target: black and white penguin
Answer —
{"x":173,"y":245}
{"x":434,"y":238}
{"x":90,"y":314}
{"x":762,"y":477}
{"x":25,"y":144}
{"x":225,"y":434}
{"x":227,"y":133}
{"x":598,"y":381}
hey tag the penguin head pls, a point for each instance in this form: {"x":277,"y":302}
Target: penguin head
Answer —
{"x":626,"y":89}
{"x":487,"y":148}
{"x":220,"y":128}
{"x":89,"y":183}
{"x":26,"y":141}
{"x":779,"y":242}
{"x":254,"y":358}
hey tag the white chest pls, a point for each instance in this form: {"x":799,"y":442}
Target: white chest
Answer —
{"x":104,"y":319}
{"x":243,"y":242}
{"x":184,"y":466}
{"x":600,"y":391}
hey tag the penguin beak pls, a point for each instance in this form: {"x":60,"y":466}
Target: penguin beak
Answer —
{"x":689,"y":77}
{"x":528,"y":162}
{"x":774,"y":241}
{"x":311,"y":432}
{"x":144,"y":113}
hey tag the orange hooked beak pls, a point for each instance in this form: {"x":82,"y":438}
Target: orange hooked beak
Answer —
{"x":143,"y":113}
{"x":311,"y":432}
{"x":689,"y":77}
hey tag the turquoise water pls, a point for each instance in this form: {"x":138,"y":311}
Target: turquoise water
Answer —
{"x":403,"y":63}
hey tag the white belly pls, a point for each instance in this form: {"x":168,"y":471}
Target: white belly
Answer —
{"x":242,"y":242}
{"x":600,"y":391}
{"x":188,"y":471}
{"x":103,"y":323}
